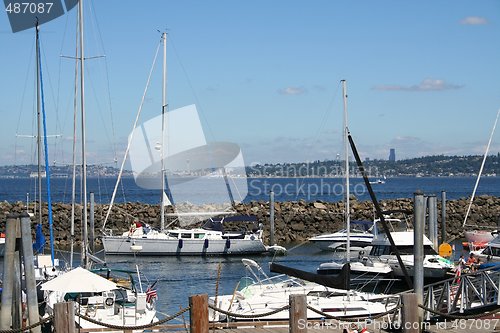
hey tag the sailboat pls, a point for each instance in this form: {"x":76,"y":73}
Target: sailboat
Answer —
{"x":478,"y":238}
{"x":185,"y":157}
{"x":97,"y":297}
{"x":360,"y":266}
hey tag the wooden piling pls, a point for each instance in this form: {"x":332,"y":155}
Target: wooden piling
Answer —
{"x":410,"y":315}
{"x":29,"y":272}
{"x":298,"y":314}
{"x":199,"y":313}
{"x":8,"y":273}
{"x":64,"y":317}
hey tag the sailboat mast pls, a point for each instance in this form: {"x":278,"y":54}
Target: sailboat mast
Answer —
{"x":163,"y":109}
{"x":39,"y":125}
{"x":347,"y":190}
{"x":84,"y":158}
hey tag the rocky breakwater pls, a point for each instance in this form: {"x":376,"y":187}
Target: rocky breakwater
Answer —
{"x":294,"y":221}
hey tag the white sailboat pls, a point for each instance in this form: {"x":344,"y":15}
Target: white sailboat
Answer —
{"x":359,"y":266}
{"x":185,"y":156}
{"x":479,"y":237}
{"x":97,"y":297}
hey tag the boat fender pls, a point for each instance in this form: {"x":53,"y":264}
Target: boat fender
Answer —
{"x":109,"y":301}
{"x":228,"y":243}
{"x":180,"y":244}
{"x":205,"y":244}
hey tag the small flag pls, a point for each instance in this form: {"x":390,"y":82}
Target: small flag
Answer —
{"x":151,"y":292}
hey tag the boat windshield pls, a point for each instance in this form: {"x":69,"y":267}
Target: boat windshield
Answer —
{"x":379,"y":250}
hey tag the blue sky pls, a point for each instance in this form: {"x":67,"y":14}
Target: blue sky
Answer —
{"x":422,"y":76}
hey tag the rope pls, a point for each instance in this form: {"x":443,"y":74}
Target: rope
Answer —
{"x":141,"y":327}
{"x":260,"y":315}
{"x":452,"y":316}
{"x":27,"y":328}
{"x":354,"y":319}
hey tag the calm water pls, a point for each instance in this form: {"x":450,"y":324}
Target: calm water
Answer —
{"x":286,"y":189}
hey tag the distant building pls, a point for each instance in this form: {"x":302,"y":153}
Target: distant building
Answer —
{"x":392,"y":155}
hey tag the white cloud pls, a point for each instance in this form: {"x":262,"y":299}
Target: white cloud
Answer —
{"x":474,"y":20}
{"x":292,"y":91}
{"x":425,"y":85}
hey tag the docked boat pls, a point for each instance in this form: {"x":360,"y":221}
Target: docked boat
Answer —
{"x":435,"y":266}
{"x":491,"y":252}
{"x":479,"y":237}
{"x":258,"y":294}
{"x":211,"y":239}
{"x":96,"y":297}
{"x":360,"y":234}
{"x":196,"y":190}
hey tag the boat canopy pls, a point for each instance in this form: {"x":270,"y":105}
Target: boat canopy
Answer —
{"x":79,"y":280}
{"x":339,"y":281}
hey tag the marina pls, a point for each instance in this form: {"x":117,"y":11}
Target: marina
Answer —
{"x":241,"y":196}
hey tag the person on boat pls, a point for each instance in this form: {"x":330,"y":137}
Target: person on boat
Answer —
{"x":472,"y":262}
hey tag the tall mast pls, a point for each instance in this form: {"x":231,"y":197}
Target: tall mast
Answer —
{"x":84,"y":158}
{"x":347,"y":191}
{"x":163,"y":109}
{"x":39,"y":125}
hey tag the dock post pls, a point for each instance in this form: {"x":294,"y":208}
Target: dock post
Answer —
{"x":443,"y":216}
{"x":410,"y":315}
{"x":432,"y":204}
{"x":64,"y":317}
{"x":298,"y":314}
{"x":91,"y":226}
{"x":271,"y":217}
{"x":8,"y":273}
{"x":198,"y":313}
{"x":29,"y":271}
{"x":418,"y":243}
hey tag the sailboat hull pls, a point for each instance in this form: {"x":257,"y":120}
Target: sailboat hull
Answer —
{"x":116,"y":245}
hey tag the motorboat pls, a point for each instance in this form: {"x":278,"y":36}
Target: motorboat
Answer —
{"x":361,"y":236}
{"x":210,"y":239}
{"x":121,"y":303}
{"x":490,"y":253}
{"x":257,"y":293}
{"x":435,"y":266}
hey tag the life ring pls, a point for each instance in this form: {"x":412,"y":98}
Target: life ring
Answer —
{"x":109,"y":301}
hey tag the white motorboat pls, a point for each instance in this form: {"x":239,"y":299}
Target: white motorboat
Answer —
{"x":259,"y":294}
{"x":490,"y":253}
{"x":361,"y":236}
{"x":211,"y":239}
{"x":123,"y":303}
{"x":435,"y":266}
